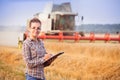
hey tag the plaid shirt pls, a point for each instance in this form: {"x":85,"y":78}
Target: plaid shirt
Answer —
{"x":33,"y":53}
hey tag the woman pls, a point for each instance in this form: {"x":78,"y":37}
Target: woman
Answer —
{"x":34,"y":52}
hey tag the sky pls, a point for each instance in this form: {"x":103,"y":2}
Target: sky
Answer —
{"x":17,"y":12}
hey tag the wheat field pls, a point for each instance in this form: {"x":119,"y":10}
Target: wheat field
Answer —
{"x":80,"y":61}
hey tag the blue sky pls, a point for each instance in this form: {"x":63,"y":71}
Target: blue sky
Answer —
{"x":16,"y":12}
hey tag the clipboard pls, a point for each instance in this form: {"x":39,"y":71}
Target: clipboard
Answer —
{"x":48,"y":62}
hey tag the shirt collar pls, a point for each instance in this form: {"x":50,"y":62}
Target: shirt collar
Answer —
{"x":32,"y":39}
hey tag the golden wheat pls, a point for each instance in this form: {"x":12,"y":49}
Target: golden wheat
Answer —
{"x":81,"y":61}
{"x":11,"y":64}
{"x":85,"y":61}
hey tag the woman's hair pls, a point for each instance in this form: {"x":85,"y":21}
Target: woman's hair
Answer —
{"x":34,"y":20}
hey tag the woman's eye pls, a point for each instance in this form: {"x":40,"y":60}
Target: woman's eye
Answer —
{"x":33,"y":27}
{"x":38,"y":28}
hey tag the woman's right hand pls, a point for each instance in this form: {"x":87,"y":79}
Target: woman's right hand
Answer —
{"x":47,"y":56}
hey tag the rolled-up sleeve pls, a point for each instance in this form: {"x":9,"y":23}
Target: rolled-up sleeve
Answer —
{"x":31,"y":62}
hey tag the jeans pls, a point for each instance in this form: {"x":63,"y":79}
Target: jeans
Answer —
{"x":28,"y":77}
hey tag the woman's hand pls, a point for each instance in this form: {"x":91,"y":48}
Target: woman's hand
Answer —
{"x":47,"y":56}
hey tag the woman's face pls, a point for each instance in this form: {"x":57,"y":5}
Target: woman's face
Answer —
{"x":35,"y":29}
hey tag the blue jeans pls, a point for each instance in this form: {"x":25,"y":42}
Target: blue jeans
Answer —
{"x":28,"y":77}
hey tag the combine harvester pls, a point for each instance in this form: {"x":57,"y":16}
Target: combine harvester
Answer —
{"x":56,"y":18}
{"x":58,"y":22}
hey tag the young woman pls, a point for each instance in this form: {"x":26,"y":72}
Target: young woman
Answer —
{"x":34,"y":52}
